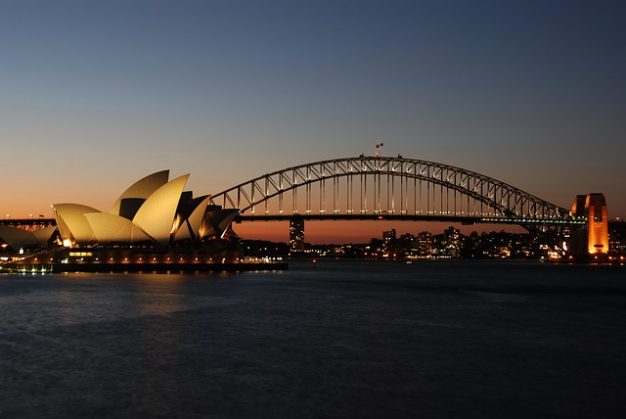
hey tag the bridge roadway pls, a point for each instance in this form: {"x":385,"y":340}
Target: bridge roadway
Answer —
{"x":467,"y":220}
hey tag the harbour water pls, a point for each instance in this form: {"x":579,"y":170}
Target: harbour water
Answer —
{"x":346,"y":339}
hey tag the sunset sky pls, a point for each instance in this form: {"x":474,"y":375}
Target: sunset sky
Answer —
{"x":96,"y":94}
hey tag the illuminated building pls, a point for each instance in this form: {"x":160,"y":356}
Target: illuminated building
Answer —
{"x":389,"y":236}
{"x":452,"y":241}
{"x":617,"y":237}
{"x":154,"y":225}
{"x":153,"y":210}
{"x":296,"y":235}
{"x":425,"y":243}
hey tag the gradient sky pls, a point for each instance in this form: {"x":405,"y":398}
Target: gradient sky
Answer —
{"x":96,"y":94}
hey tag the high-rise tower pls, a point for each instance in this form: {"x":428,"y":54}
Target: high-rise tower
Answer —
{"x":296,"y":235}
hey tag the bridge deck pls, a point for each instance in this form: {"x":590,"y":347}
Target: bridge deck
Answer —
{"x":45,"y":222}
{"x":411,"y":217}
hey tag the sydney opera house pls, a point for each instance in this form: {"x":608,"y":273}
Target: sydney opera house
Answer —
{"x":154,"y":221}
{"x":154,"y":210}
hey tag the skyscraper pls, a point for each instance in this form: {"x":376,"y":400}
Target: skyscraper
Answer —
{"x":296,"y":235}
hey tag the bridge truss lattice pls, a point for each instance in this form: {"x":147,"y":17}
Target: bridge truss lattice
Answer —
{"x":391,"y":186}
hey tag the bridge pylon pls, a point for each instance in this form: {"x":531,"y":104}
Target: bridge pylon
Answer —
{"x":593,"y":238}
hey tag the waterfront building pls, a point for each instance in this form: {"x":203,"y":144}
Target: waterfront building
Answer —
{"x":296,"y":235}
{"x":617,"y":237}
{"x":153,"y":210}
{"x":452,"y":242}
{"x":389,"y":236}
{"x":424,"y":244}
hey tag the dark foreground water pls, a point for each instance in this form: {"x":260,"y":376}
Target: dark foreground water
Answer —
{"x":348,"y":339}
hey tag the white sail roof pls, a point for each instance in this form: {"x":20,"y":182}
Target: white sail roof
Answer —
{"x":190,"y":228}
{"x":150,"y":209}
{"x":72,"y":223}
{"x":43,"y":235}
{"x":156,"y":215}
{"x":110,"y":228}
{"x":17,"y":238}
{"x":143,"y":188}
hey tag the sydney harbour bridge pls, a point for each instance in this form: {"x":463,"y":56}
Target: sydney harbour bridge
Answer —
{"x":389,"y":188}
{"x":381,"y":188}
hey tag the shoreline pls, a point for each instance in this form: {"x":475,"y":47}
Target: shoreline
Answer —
{"x":141,"y":267}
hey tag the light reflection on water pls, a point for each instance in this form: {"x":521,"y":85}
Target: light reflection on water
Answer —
{"x":346,"y":339}
{"x":34,"y":301}
{"x":37,"y":302}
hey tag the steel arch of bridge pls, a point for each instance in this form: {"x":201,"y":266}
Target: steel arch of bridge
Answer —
{"x":402,"y":177}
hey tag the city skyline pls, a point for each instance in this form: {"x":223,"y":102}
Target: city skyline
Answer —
{"x":97,"y":94}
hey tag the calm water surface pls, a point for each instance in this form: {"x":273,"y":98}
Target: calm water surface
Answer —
{"x":348,"y":339}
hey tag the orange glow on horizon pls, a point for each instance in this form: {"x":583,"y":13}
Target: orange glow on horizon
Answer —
{"x":337,"y":232}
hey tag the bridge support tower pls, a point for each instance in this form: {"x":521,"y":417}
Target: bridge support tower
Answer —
{"x":593,"y":238}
